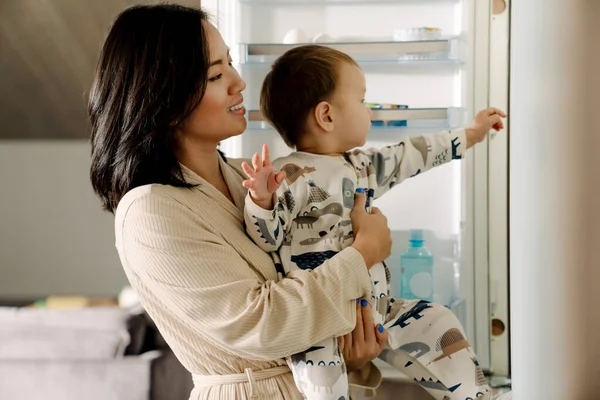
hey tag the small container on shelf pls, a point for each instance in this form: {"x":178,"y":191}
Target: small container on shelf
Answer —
{"x":422,"y":34}
{"x":379,"y":106}
{"x":416,"y":34}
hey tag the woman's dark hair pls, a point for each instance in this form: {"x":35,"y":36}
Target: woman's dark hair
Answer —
{"x":151,"y":74}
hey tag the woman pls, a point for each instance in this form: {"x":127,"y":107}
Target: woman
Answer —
{"x":163,"y":97}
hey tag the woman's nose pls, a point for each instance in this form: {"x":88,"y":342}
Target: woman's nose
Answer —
{"x":239,"y":84}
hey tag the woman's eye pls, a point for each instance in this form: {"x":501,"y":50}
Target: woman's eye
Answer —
{"x":216,"y":78}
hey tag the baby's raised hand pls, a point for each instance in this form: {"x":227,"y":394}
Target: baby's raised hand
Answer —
{"x":262,"y":180}
{"x":484,"y":121}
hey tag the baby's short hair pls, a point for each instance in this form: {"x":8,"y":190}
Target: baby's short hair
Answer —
{"x":299,"y":79}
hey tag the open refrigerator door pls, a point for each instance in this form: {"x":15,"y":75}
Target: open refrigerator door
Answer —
{"x":427,"y":67}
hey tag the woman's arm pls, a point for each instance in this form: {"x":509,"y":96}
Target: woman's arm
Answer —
{"x":205,"y":282}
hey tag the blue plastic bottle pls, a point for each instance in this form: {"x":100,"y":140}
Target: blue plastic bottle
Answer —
{"x":416,"y":265}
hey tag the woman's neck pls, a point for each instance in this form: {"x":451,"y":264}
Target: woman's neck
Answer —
{"x":205,"y":163}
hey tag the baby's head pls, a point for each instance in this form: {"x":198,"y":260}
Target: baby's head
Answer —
{"x":314,"y":97}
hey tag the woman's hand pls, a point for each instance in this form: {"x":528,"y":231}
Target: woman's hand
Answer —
{"x":365,"y":342}
{"x":372,"y":237}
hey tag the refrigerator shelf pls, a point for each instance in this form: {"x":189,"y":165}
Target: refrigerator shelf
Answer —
{"x":374,"y":64}
{"x":418,"y":120}
{"x":442,"y":50}
{"x":338,"y":2}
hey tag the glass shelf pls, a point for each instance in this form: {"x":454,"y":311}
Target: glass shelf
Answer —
{"x":409,"y":121}
{"x":441,"y":51}
{"x":338,"y":2}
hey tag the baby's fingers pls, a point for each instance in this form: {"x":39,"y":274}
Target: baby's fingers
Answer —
{"x":248,"y":170}
{"x":496,"y":121}
{"x":280,"y":177}
{"x":265,"y":156}
{"x":498,"y":111}
{"x":256,"y":162}
{"x":274,"y":182}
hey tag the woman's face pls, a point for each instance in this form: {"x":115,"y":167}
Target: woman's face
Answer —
{"x":220,"y":113}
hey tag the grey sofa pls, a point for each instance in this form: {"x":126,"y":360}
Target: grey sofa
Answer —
{"x":92,"y":353}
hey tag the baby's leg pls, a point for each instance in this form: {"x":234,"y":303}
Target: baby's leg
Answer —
{"x":320,"y":372}
{"x":427,"y":343}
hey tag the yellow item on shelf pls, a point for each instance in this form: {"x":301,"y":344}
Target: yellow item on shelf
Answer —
{"x":74,"y":302}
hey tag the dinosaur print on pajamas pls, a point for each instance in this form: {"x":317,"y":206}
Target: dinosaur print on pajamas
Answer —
{"x":310,"y":224}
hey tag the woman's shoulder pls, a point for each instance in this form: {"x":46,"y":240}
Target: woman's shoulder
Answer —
{"x":236,"y":164}
{"x":149,"y":198}
{"x":155,"y":210}
{"x":237,"y":161}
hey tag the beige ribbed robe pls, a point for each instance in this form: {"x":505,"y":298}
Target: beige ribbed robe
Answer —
{"x":213,"y":293}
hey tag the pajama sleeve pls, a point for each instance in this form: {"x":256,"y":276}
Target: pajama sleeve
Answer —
{"x":388,"y":166}
{"x":267,"y":228}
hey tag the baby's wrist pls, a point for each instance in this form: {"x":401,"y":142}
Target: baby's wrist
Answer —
{"x":266,"y":203}
{"x":470,"y":134}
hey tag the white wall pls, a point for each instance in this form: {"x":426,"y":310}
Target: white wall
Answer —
{"x":54,"y":236}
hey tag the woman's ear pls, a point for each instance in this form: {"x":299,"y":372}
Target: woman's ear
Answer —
{"x":324,"y":116}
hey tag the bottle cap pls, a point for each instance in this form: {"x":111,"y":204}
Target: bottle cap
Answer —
{"x":416,"y":234}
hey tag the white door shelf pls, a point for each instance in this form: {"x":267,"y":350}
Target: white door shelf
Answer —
{"x":442,"y":50}
{"x":305,"y":3}
{"x":418,"y":119}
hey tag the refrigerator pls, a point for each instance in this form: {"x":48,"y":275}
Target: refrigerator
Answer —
{"x":429,"y":66}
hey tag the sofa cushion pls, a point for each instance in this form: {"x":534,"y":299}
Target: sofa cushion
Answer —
{"x":89,"y":333}
{"x":125,"y":379}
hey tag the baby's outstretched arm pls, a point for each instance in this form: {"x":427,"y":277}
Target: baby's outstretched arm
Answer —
{"x":385,"y":167}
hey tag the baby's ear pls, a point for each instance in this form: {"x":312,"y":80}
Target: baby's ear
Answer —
{"x":323,"y":115}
